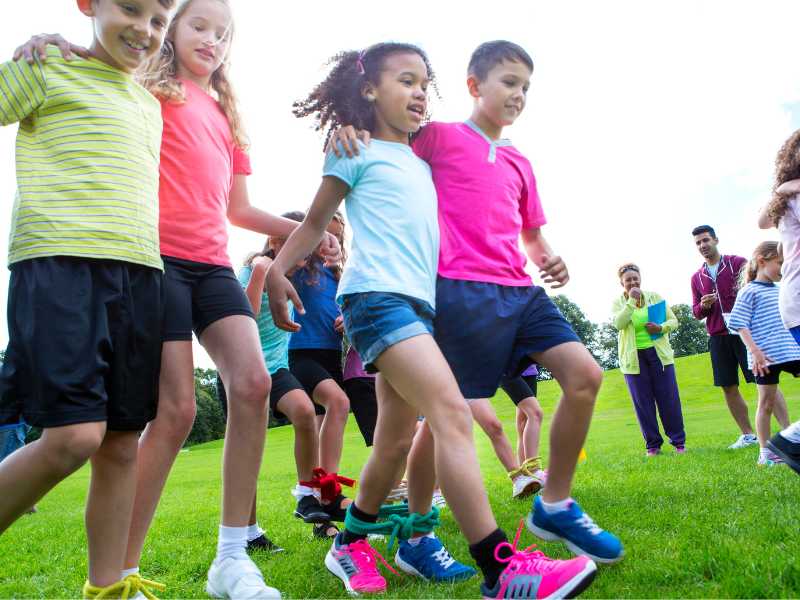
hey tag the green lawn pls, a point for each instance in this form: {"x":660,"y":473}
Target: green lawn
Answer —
{"x":706,"y":524}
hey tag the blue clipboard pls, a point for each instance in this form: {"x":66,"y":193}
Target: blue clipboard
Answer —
{"x":657,"y":313}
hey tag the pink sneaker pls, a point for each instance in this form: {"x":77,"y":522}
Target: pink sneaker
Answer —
{"x":356,"y":566}
{"x":534,"y":575}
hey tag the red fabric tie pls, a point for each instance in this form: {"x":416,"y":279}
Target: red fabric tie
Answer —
{"x":329,"y":484}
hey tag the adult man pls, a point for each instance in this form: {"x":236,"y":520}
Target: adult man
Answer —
{"x":714,"y":288}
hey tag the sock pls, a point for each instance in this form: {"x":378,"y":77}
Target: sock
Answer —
{"x":347,"y":536}
{"x":301,"y":491}
{"x":232,"y":542}
{"x":414,"y":541}
{"x":764,"y":452}
{"x":254,"y":531}
{"x":132,"y":571}
{"x":792,"y":433}
{"x":483,"y":553}
{"x":554,"y":507}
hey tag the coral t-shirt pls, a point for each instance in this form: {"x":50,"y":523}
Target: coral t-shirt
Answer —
{"x":487,"y":196}
{"x":198,"y":161}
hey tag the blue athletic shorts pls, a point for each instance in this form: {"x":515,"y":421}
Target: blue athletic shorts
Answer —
{"x":488,"y":331}
{"x":375,"y":321}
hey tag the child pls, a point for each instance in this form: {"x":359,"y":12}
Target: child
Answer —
{"x":529,"y":417}
{"x":487,"y":201}
{"x":770,"y":347}
{"x":360,"y":389}
{"x":86,"y":277}
{"x":387,"y":296}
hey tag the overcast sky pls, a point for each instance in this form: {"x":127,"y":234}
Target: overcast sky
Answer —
{"x":644,"y":119}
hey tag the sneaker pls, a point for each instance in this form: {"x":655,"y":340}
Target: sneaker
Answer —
{"x":534,"y":575}
{"x":310,"y":510}
{"x":238,"y":578}
{"x":263,"y":543}
{"x":356,"y":566}
{"x":438,"y":499}
{"x":577,"y":530}
{"x":680,"y":449}
{"x":132,"y":586}
{"x":788,"y":451}
{"x":653,"y":452}
{"x":400,"y":493}
{"x":746,"y":439}
{"x":524,"y":486}
{"x":431,"y":561}
{"x":769,"y":459}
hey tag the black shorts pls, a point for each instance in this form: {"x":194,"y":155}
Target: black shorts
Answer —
{"x":197,"y":295}
{"x":312,"y":366}
{"x":519,"y":388}
{"x":728,"y":355}
{"x":772,"y":378}
{"x":84,"y":343}
{"x":361,"y":393}
{"x":283,"y":382}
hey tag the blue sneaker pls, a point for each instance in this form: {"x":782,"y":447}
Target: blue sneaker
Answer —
{"x":577,"y":530}
{"x":431,"y":561}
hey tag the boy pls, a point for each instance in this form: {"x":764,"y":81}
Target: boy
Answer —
{"x":84,"y":299}
{"x":487,"y":200}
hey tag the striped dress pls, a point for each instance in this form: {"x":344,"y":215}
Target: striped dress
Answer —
{"x":756,"y":309}
{"x":87,"y":155}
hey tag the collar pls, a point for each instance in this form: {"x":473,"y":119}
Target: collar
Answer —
{"x":493,"y":144}
{"x":764,"y":283}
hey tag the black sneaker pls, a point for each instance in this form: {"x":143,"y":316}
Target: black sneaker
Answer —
{"x":310,"y":510}
{"x":263,"y":544}
{"x":788,"y":451}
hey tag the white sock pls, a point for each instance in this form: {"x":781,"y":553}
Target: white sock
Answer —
{"x":416,"y":540}
{"x":126,"y":572}
{"x":792,"y":433}
{"x":300,"y":491}
{"x":232,"y":542}
{"x":253,"y":532}
{"x":554,"y":507}
{"x":764,"y":452}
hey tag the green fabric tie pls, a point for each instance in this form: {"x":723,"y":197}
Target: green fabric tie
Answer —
{"x":398,"y":523}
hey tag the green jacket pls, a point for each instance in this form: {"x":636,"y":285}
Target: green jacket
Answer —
{"x":626,"y":340}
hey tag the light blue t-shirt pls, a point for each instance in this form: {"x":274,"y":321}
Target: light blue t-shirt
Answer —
{"x":392,"y":209}
{"x":274,"y":341}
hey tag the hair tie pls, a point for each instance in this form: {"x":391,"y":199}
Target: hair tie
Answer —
{"x":360,"y":62}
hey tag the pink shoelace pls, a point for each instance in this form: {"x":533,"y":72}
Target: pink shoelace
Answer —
{"x":364,"y":556}
{"x":522,"y":560}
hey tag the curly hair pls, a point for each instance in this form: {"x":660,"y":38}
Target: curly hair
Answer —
{"x":765,"y":250}
{"x":338,"y":100}
{"x":161,"y":78}
{"x":787,"y":167}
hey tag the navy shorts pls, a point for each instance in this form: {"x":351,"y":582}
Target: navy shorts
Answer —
{"x":488,"y":331}
{"x":772,"y":378}
{"x":197,"y":295}
{"x":375,"y":321}
{"x":728,"y":355}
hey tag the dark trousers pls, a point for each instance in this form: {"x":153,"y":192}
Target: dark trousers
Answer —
{"x":656,"y":386}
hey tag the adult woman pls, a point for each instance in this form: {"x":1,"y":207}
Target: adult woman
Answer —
{"x":646,"y":360}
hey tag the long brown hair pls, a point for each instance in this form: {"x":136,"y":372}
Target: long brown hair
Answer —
{"x":765,"y":250}
{"x":787,"y":167}
{"x":161,"y":79}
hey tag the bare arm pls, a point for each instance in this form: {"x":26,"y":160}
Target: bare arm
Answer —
{"x":760,"y":360}
{"x":36,"y":47}
{"x":255,"y":287}
{"x":551,"y":267}
{"x":764,"y":220}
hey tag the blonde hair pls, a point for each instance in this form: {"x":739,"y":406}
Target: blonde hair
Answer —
{"x":627,"y":267}
{"x":765,"y":250}
{"x":160,"y":78}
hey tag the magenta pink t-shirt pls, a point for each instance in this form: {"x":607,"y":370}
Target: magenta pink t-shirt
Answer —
{"x":487,"y":196}
{"x":198,"y":161}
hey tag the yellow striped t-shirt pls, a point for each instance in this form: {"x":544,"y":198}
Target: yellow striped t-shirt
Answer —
{"x":87,"y":156}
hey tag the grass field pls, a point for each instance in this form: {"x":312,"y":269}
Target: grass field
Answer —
{"x":705,"y":524}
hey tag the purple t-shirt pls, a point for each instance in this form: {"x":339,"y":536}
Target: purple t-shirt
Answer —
{"x":530,"y":371}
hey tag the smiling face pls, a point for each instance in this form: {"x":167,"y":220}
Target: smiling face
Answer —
{"x":500,"y":98}
{"x":201,"y":37}
{"x":707,"y":245}
{"x":400,"y":98}
{"x":128,"y":32}
{"x":630,"y":279}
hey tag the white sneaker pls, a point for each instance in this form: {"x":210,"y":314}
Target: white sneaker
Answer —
{"x":746,"y":439}
{"x":524,"y":486}
{"x":238,"y":578}
{"x":769,"y":459}
{"x":438,"y":500}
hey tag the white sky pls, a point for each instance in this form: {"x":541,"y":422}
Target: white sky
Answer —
{"x":644,"y":118}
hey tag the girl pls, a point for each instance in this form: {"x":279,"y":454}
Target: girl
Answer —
{"x":203,"y":172}
{"x":529,"y":417}
{"x":770,"y":347}
{"x":387,"y":297}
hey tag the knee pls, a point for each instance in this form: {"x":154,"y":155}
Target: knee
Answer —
{"x":120,"y":450}
{"x":493,"y":428}
{"x":455,"y":421}
{"x":337,"y":405}
{"x":586,"y":383}
{"x":249,"y":391}
{"x":176,"y":415}
{"x":68,"y":450}
{"x":537,"y":415}
{"x":305,"y":420}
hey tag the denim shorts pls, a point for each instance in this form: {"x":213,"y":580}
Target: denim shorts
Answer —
{"x":12,"y":438}
{"x":375,"y":321}
{"x":488,"y":331}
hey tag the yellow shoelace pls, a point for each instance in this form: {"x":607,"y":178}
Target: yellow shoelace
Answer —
{"x":124,"y":589}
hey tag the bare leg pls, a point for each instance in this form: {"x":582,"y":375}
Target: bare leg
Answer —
{"x":421,"y":472}
{"x":331,"y":433}
{"x":779,"y":410}
{"x":253,"y":518}
{"x":738,"y":408}
{"x":297,"y":407}
{"x":484,"y":415}
{"x":766,"y":402}
{"x":532,"y":418}
{"x":521,"y":420}
{"x":580,"y":377}
{"x":109,"y":506}
{"x":162,"y":440}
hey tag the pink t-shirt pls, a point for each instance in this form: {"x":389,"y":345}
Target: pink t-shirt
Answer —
{"x":487,"y":196}
{"x":789,"y":290}
{"x":198,"y":161}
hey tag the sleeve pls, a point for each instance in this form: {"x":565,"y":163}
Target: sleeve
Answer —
{"x":530,"y":206}
{"x":424,"y":143}
{"x":671,"y":324}
{"x":622,"y":310}
{"x":742,"y":313}
{"x":347,"y":169}
{"x":697,"y":309}
{"x":23,"y":89}
{"x":244,"y":276}
{"x":794,"y":206}
{"x":241,"y":162}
